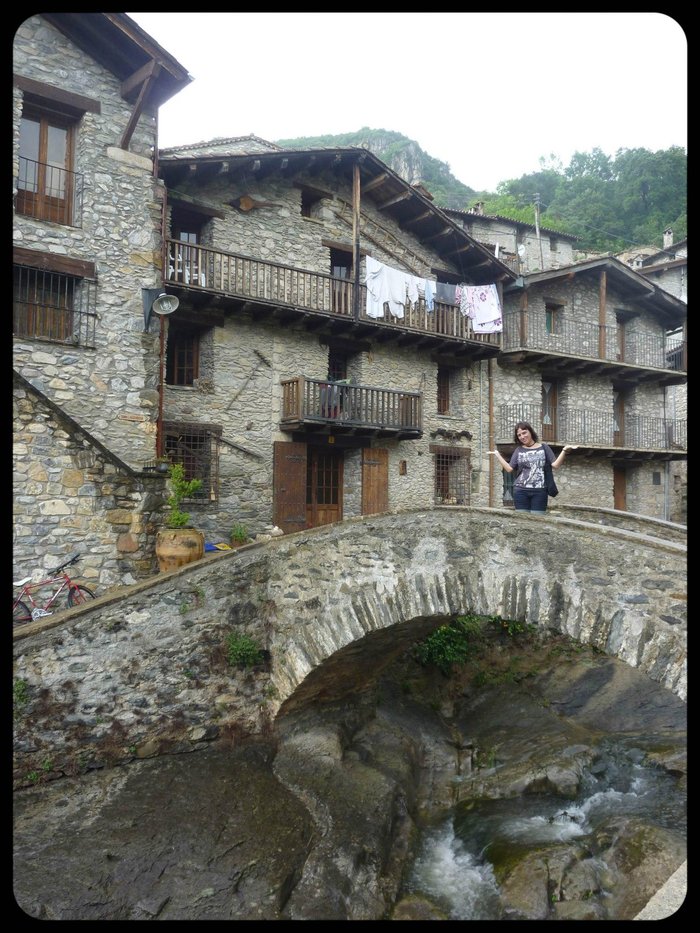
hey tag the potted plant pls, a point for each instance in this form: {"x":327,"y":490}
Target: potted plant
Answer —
{"x":179,"y":543}
{"x":239,"y":535}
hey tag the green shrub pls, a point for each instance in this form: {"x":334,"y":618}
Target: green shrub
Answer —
{"x":243,"y":651}
{"x":450,"y":644}
{"x":239,"y":534}
{"x":180,"y":488}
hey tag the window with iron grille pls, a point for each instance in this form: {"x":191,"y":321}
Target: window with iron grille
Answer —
{"x":53,"y":306}
{"x":443,"y":390}
{"x":182,"y":357}
{"x":196,"y":447}
{"x":452,"y":469}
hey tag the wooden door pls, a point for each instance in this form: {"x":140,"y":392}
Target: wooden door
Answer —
{"x":289,"y":486}
{"x":375,"y":480}
{"x":620,"y":488}
{"x":324,"y":486}
{"x":550,"y":404}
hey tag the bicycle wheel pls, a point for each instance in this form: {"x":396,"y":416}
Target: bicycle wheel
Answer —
{"x":21,"y":613}
{"x":78,"y":594}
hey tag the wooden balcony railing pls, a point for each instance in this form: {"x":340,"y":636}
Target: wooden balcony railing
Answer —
{"x":528,"y":331}
{"x":587,"y":427}
{"x":223,"y":273}
{"x":48,"y":192}
{"x":345,"y":406}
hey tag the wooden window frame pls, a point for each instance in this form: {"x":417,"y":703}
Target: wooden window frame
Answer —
{"x":443,"y":390}
{"x":36,"y":186}
{"x":182,"y":354}
{"x":553,"y":317}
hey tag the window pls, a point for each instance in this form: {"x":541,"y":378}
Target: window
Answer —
{"x":341,"y":268}
{"x":53,"y":306}
{"x":182,"y":358}
{"x":309,"y":198}
{"x":196,"y":447}
{"x":452,"y":466}
{"x":443,"y":390}
{"x":553,"y":244}
{"x":187,"y":260}
{"x":48,"y":188}
{"x":553,"y":318}
{"x":337,"y":365}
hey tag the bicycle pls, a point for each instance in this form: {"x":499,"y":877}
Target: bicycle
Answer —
{"x":27,"y":607}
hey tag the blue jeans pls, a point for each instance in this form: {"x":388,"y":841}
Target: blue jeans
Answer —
{"x":530,"y":500}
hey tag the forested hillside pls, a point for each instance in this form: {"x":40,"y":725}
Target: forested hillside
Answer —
{"x":610,"y":203}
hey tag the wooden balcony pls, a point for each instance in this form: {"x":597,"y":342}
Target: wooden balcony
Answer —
{"x":208,"y":278}
{"x":573,"y":348}
{"x":319,"y":406}
{"x":599,"y":433}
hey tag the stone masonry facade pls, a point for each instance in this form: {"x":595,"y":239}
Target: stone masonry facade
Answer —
{"x":145,"y":672}
{"x":79,"y":481}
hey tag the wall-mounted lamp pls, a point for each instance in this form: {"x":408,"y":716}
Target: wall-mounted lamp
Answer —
{"x":162,"y":304}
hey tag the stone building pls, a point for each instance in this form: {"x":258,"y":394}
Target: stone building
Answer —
{"x":668,"y":267}
{"x":524,"y":247}
{"x":87,"y":238}
{"x":588,"y":356}
{"x":316,"y":363}
{"x":300,"y":392}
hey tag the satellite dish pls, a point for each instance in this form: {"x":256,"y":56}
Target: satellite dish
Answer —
{"x":165,"y":304}
{"x":521,"y":250}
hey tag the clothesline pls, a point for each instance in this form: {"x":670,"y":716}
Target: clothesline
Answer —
{"x":386,"y":285}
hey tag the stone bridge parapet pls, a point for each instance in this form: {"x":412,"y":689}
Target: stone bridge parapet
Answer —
{"x":143,"y":670}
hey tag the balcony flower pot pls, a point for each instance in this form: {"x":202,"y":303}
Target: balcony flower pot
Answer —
{"x":179,"y":543}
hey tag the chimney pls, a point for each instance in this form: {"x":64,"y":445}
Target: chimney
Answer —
{"x":668,"y":237}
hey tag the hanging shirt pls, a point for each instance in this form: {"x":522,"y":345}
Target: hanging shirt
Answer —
{"x":386,"y":284}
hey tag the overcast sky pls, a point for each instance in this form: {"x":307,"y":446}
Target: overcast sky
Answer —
{"x":487,"y":93}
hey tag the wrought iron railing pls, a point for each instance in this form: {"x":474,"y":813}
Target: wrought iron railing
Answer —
{"x":534,"y":330}
{"x":205,"y":269}
{"x":47,"y":192}
{"x":595,"y":428}
{"x":344,"y":404}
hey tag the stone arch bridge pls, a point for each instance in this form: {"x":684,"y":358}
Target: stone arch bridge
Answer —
{"x":145,"y":667}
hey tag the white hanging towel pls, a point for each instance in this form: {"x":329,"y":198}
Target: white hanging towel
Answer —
{"x":482,"y":305}
{"x":385,"y":284}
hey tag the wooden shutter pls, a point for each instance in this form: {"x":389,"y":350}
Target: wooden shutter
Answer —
{"x":375,"y":480}
{"x":289,"y":486}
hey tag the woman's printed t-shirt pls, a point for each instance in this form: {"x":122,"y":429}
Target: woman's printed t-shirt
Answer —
{"x":529,"y":463}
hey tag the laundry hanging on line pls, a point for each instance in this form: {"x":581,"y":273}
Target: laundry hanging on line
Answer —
{"x":395,"y":287}
{"x":482,"y":305}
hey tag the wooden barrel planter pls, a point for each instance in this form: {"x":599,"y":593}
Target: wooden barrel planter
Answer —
{"x":176,"y":547}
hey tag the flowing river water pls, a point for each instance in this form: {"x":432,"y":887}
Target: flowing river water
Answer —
{"x":550,"y":787}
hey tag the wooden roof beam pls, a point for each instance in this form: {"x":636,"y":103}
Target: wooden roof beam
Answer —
{"x":436,"y":236}
{"x":395,"y":200}
{"x":418,"y":218}
{"x":375,"y":183}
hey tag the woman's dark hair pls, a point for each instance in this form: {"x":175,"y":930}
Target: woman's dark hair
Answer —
{"x":524,"y":426}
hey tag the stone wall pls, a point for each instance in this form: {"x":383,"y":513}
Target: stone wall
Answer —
{"x":111,"y":389}
{"x":72,"y":495}
{"x":144,"y":671}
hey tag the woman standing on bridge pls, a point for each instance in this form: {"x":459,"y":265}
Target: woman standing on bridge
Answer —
{"x":531,"y":460}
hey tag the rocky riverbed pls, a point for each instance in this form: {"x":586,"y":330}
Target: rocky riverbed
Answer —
{"x":324,"y":818}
